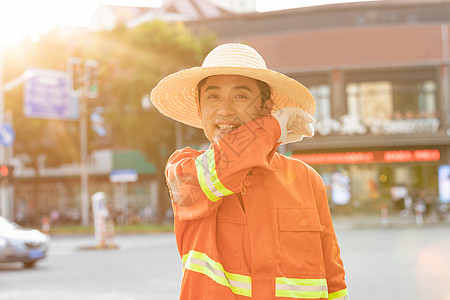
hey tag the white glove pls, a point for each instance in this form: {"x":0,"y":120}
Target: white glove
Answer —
{"x":294,"y":123}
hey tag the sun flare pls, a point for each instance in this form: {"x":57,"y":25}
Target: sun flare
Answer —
{"x":20,"y":18}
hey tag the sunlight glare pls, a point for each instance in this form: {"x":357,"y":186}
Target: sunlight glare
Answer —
{"x":270,"y":5}
{"x":134,"y":3}
{"x":19,"y":18}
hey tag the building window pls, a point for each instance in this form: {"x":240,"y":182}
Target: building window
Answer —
{"x":391,"y":100}
{"x":321,"y":94}
{"x":370,"y":101}
{"x":414,"y":100}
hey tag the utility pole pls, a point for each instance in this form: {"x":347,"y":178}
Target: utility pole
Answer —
{"x":3,"y":196}
{"x":84,"y":174}
{"x":83,"y":82}
{"x":6,"y":202}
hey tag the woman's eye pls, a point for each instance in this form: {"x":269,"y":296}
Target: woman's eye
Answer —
{"x":212,"y":97}
{"x":241,"y":97}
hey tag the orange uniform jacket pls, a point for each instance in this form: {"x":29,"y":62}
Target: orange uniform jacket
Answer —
{"x":251,"y":223}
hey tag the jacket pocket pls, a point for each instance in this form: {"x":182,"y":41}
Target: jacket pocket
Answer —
{"x":300,"y":241}
{"x":230,"y":232}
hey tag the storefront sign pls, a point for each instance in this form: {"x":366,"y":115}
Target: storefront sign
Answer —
{"x":351,"y":125}
{"x":370,"y":157}
{"x":123,"y":175}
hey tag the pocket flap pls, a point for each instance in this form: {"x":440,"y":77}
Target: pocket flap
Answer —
{"x":299,"y":220}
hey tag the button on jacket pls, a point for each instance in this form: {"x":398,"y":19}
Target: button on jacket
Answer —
{"x":251,"y":223}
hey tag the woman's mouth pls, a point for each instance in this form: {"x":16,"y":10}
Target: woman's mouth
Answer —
{"x":227,"y":127}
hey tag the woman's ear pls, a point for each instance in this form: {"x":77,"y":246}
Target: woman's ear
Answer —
{"x":267,"y":107}
{"x":199,"y":109}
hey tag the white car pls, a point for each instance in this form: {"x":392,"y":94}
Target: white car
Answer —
{"x":18,"y":244}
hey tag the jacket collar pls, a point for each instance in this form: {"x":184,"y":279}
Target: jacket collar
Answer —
{"x":273,"y":166}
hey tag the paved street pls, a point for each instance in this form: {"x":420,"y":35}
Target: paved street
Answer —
{"x":397,"y":264}
{"x":405,"y":263}
{"x":144,"y":267}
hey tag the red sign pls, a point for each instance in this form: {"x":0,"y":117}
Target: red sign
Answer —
{"x":370,"y":157}
{"x":4,"y":171}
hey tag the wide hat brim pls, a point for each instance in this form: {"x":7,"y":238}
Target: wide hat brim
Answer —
{"x":176,"y":95}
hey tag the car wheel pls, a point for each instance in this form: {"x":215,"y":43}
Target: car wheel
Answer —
{"x":29,"y":264}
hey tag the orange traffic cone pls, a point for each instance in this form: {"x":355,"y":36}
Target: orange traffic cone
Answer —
{"x":46,"y":225}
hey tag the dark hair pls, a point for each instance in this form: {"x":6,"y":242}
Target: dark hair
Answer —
{"x":264,"y":89}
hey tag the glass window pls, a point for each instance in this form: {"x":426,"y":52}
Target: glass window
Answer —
{"x":370,"y":100}
{"x":415,"y":100}
{"x":391,"y":100}
{"x":321,"y":94}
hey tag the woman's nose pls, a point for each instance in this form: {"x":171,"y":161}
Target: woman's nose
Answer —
{"x":226,"y":107}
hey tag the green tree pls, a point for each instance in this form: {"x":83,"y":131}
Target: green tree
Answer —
{"x":132,"y":61}
{"x":53,"y":142}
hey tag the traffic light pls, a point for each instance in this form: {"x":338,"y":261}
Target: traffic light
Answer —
{"x":6,"y":172}
{"x":91,"y":76}
{"x":75,"y":75}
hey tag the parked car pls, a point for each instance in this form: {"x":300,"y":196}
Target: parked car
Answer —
{"x":19,"y":244}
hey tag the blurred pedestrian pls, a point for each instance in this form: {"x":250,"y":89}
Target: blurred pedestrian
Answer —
{"x":420,"y":209}
{"x":427,"y":199}
{"x":54,"y":216}
{"x":249,"y":222}
{"x":399,"y":193}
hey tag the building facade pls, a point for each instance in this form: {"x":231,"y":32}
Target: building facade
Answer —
{"x":379,"y":72}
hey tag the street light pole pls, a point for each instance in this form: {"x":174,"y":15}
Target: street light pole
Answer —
{"x":3,"y":196}
{"x":7,"y":203}
{"x":178,"y":135}
{"x":80,"y":80}
{"x":147,"y":105}
{"x":84,"y":174}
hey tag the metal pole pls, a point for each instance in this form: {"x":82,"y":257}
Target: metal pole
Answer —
{"x":282,"y":149}
{"x":84,"y":175}
{"x":124,"y":191}
{"x":3,"y":195}
{"x":445,"y":86}
{"x":178,"y":135}
{"x":147,"y":105}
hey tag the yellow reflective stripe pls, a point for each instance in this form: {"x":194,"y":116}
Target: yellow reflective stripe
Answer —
{"x":301,"y":288}
{"x":339,"y":295}
{"x":298,"y":281}
{"x":218,"y":266}
{"x":201,"y":263}
{"x":300,"y":294}
{"x":220,"y":280}
{"x":201,"y":180}
{"x":213,"y":173}
{"x":207,"y":177}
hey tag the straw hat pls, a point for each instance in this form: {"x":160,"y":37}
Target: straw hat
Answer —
{"x":176,"y":95}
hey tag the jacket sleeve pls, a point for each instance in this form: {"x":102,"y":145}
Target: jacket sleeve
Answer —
{"x":199,"y":180}
{"x":334,"y":268}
